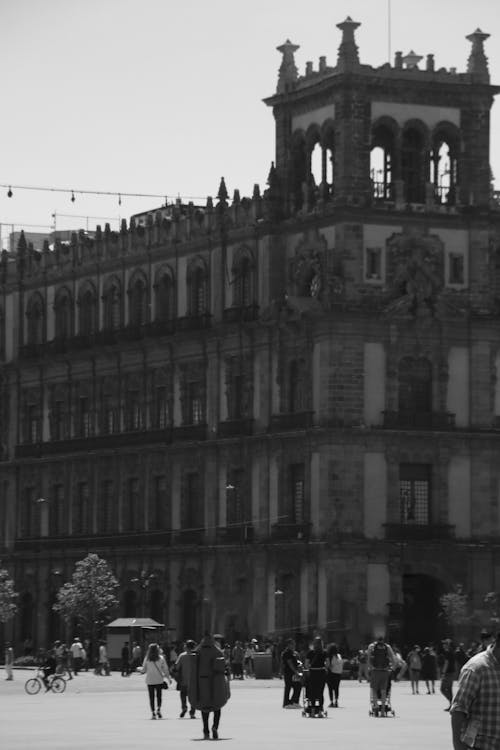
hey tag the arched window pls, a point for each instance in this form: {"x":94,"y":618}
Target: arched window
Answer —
{"x":88,"y":312}
{"x":164,"y":298}
{"x":138,"y":294}
{"x":415,"y":386}
{"x":63,"y":312}
{"x":382,"y":163}
{"x":300,"y":170}
{"x":112,"y":299}
{"x":35,"y":314}
{"x":413,"y":165}
{"x":444,"y":166}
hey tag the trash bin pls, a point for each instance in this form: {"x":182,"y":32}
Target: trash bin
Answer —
{"x":263,"y":666}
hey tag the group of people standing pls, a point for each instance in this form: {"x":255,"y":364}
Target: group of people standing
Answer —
{"x":200,"y":672}
{"x":320,"y":667}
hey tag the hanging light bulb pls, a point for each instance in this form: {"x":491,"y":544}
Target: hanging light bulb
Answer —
{"x":72,"y":197}
{"x":9,"y":192}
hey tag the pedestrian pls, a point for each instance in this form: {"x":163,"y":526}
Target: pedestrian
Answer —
{"x":125,"y":655}
{"x":103,"y":663}
{"x":237,"y":656}
{"x":315,"y":666}
{"x":447,"y":671}
{"x":429,"y":669}
{"x":381,"y":661}
{"x":156,"y":670}
{"x":291,"y":669}
{"x":208,"y":686}
{"x":334,"y":669}
{"x":475,"y":709}
{"x":182,"y":677}
{"x":362,"y":666}
{"x":9,"y":661}
{"x":415,"y":666}
{"x":76,"y":649}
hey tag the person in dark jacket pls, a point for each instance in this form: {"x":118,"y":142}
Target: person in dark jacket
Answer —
{"x":429,"y":669}
{"x":208,"y":686}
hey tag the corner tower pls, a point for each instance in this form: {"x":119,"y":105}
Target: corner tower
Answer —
{"x":407,"y":134}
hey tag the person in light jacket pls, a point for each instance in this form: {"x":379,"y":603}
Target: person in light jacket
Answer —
{"x":156,"y":670}
{"x":334,"y":669}
{"x":208,"y":686}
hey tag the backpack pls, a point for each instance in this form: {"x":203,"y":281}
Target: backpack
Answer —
{"x":380,"y":657}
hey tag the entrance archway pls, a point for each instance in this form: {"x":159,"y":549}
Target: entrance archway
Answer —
{"x":421,"y":608}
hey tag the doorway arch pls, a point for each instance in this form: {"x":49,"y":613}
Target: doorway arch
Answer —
{"x":421,"y":609}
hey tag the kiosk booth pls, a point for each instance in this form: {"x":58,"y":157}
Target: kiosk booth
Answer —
{"x":141,"y":630}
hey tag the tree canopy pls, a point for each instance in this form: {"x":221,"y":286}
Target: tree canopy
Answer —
{"x":90,"y":598}
{"x":8,"y":596}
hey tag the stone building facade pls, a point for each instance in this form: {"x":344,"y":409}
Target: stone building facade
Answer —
{"x":279,"y":413}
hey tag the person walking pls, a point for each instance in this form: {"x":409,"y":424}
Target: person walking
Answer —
{"x":447,"y":671}
{"x":156,"y":670}
{"x":208,"y":687}
{"x":9,"y":661}
{"x":76,"y":650}
{"x":429,"y":669}
{"x":415,"y":666}
{"x":475,"y":709}
{"x":334,"y":669}
{"x":237,"y":656}
{"x":182,"y":677}
{"x":125,"y":655}
{"x":103,"y":662}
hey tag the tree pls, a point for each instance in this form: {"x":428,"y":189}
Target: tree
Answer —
{"x":90,"y":598}
{"x":455,"y":606}
{"x":8,"y":596}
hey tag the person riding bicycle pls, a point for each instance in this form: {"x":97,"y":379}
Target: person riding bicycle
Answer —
{"x":49,"y":668}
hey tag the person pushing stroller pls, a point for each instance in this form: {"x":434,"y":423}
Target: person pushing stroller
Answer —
{"x":381,"y":661}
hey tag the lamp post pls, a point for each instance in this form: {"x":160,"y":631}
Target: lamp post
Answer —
{"x":278,"y":609}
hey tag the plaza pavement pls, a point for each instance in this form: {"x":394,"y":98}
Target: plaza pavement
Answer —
{"x":104,"y":713}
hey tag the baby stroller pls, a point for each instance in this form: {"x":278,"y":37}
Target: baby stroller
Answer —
{"x":379,"y":708}
{"x":314,"y":685}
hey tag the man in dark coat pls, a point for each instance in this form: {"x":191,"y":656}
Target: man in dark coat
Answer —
{"x":208,"y":686}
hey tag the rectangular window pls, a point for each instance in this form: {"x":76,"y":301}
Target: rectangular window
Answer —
{"x":108,"y":416}
{"x":84,"y":417}
{"x":131,"y":510}
{"x":158,"y":518}
{"x":33,"y":425}
{"x":162,"y":416}
{"x":297,"y":480}
{"x":235,"y":504}
{"x":58,"y":421}
{"x":56,"y":510}
{"x":373,"y":264}
{"x":456,"y":268}
{"x":195,"y":401}
{"x":415,"y":493}
{"x":81,"y":509}
{"x":105,"y":508}
{"x":28,"y":514}
{"x":134,"y":411}
{"x":236,"y":397}
{"x":192,"y":506}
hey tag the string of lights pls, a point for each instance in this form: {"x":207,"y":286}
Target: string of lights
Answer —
{"x":73,"y":192}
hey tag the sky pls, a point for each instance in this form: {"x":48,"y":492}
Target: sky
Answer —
{"x":164,"y":98}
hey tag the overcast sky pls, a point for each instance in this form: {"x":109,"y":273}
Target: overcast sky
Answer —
{"x":164,"y":97}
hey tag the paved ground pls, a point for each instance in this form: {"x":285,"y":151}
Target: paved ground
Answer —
{"x":104,"y":713}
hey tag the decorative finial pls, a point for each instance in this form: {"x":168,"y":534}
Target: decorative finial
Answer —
{"x":478,"y":62}
{"x":348,"y":51}
{"x":222,"y":195}
{"x":411,"y":60}
{"x":288,"y":72}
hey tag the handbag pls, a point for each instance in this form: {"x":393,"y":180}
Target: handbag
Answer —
{"x":164,"y":684}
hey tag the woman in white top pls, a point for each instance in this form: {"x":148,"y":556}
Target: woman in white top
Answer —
{"x":334,"y":667}
{"x":156,"y":670}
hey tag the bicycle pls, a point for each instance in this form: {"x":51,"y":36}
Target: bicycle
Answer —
{"x":55,"y":682}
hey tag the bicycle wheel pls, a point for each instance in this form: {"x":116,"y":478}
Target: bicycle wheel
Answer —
{"x":58,"y":685}
{"x":32,"y":686}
